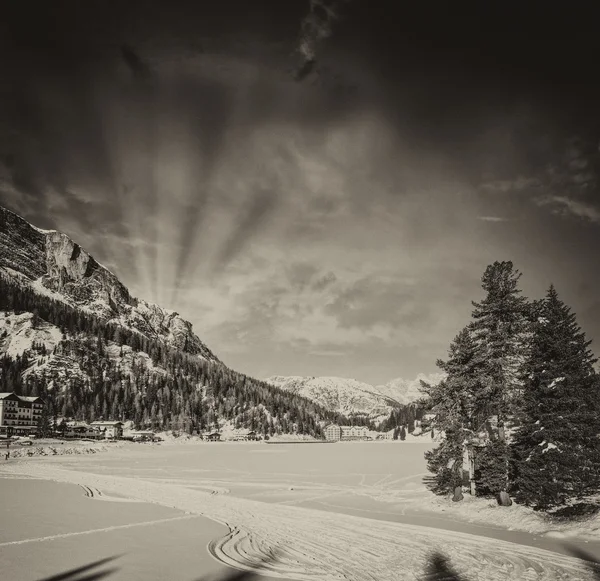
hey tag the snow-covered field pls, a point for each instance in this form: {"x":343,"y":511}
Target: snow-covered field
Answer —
{"x":347,"y":511}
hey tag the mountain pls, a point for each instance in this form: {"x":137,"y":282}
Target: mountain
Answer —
{"x":72,"y":333}
{"x":353,"y":398}
{"x":342,"y":396}
{"x":406,"y":391}
{"x":52,"y":264}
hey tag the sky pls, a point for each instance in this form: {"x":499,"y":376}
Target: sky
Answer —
{"x":318,"y":188}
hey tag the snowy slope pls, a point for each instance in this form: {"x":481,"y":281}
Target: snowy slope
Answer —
{"x":18,"y":334}
{"x":407,"y":391}
{"x":345,"y":396}
{"x":349,"y":397}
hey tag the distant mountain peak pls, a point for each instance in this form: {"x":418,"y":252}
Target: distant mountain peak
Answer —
{"x":338,"y":394}
{"x":351,"y":397}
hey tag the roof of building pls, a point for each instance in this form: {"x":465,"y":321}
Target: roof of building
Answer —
{"x":107,"y":423}
{"x":6,"y":394}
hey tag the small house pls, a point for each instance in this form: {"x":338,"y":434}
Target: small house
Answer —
{"x":214,"y":437}
{"x":110,"y":429}
{"x":142,"y":435}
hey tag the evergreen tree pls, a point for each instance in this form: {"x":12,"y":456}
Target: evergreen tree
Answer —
{"x":454,"y":401}
{"x":44,"y":425}
{"x":556,"y":451}
{"x":501,"y":331}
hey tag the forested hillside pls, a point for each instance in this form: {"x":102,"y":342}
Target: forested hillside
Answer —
{"x":101,"y":370}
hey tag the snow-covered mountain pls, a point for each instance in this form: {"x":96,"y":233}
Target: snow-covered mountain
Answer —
{"x":71,"y":333}
{"x":407,"y":391}
{"x":51,"y":263}
{"x":337,"y":394}
{"x":351,"y":397}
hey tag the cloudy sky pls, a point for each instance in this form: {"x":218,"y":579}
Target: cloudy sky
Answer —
{"x":329,"y":216}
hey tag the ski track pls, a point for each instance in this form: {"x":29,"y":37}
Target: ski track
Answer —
{"x":310,"y":544}
{"x":94,"y":531}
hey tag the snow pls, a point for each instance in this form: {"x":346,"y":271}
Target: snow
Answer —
{"x":349,"y":396}
{"x":406,"y":391}
{"x":555,"y":382}
{"x":129,"y":358}
{"x":346,"y":396}
{"x":314,"y":544}
{"x":17,"y":334}
{"x":549,"y":446}
{"x":39,"y":288}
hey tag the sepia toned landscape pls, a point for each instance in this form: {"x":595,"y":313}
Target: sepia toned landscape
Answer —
{"x":299,"y":289}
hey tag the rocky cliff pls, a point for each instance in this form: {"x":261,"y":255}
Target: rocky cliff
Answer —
{"x":50,"y":262}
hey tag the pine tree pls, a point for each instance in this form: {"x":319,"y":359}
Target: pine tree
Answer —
{"x":454,"y":401}
{"x":555,"y":451}
{"x":501,"y":331}
{"x":44,"y":428}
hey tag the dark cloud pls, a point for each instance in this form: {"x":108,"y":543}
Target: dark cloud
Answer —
{"x":324,"y":282}
{"x":369,"y":302}
{"x":300,"y":274}
{"x":139,"y":69}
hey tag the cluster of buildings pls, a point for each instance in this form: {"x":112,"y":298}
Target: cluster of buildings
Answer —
{"x":96,"y":430}
{"x":20,"y":415}
{"x":239,"y":436}
{"x":336,"y":433}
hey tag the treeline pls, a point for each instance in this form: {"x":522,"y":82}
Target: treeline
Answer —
{"x":177,"y":391}
{"x":520,"y":407}
{"x":403,"y":417}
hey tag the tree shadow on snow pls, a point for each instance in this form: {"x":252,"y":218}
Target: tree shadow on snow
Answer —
{"x":438,"y":568}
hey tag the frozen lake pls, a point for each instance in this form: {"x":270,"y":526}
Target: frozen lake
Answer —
{"x":381,"y":482}
{"x":378,"y":480}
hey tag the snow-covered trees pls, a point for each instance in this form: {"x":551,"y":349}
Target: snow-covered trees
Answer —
{"x":483,"y":381}
{"x":87,"y":381}
{"x":453,"y":401}
{"x":556,"y":449}
{"x":520,"y":391}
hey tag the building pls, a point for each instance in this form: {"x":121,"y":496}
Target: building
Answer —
{"x":214,"y":437}
{"x":109,"y":429}
{"x":142,"y":435}
{"x":389,"y":435}
{"x":76,"y":429}
{"x":354,"y":432}
{"x":333,"y":433}
{"x":19,"y":414}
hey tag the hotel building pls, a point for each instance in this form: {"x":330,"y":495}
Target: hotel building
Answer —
{"x":19,"y":414}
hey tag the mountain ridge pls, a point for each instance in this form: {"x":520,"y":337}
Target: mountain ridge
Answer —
{"x":72,"y":333}
{"x":351,"y":397}
{"x":49,"y":260}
